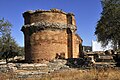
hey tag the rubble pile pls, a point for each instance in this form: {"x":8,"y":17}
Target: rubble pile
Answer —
{"x":23,"y":70}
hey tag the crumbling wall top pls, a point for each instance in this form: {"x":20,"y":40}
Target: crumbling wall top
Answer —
{"x":40,"y":11}
{"x":53,"y":18}
{"x":53,"y":10}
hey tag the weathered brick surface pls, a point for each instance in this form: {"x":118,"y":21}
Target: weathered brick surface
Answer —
{"x":44,"y":42}
{"x":49,"y":43}
{"x":48,"y":16}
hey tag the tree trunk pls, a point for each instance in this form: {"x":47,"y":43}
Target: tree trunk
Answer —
{"x":119,"y":44}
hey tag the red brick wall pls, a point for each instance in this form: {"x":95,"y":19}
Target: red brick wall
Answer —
{"x":45,"y":44}
{"x":76,"y":43}
{"x":47,"y":16}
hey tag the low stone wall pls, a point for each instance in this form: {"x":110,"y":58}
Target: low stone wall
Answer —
{"x":25,"y":70}
{"x":21,"y":70}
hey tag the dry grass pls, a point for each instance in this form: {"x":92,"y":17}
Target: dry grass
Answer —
{"x":6,"y":76}
{"x":93,"y":74}
{"x":86,"y":75}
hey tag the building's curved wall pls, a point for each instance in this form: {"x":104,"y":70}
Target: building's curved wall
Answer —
{"x":43,"y":42}
{"x":48,"y":16}
{"x":46,"y":44}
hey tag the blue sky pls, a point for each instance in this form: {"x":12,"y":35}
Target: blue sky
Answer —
{"x":87,"y":13}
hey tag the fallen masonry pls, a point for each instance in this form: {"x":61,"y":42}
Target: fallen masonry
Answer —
{"x":37,"y":70}
{"x":23,"y":70}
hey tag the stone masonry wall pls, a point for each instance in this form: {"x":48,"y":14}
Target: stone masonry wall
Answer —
{"x":75,"y":47}
{"x":48,"y":33}
{"x":48,"y":16}
{"x":49,"y":43}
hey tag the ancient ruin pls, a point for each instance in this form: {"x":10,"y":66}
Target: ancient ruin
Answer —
{"x":50,"y":34}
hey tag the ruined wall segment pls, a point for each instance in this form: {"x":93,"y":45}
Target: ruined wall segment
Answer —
{"x":76,"y":45}
{"x":48,"y":43}
{"x":48,"y":33}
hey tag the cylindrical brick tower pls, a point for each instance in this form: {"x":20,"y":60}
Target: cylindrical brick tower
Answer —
{"x":49,"y":33}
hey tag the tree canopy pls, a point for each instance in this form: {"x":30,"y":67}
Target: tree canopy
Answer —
{"x":108,"y":27}
{"x":8,"y":45}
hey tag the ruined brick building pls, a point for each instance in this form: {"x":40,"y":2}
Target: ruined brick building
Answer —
{"x":49,"y":33}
